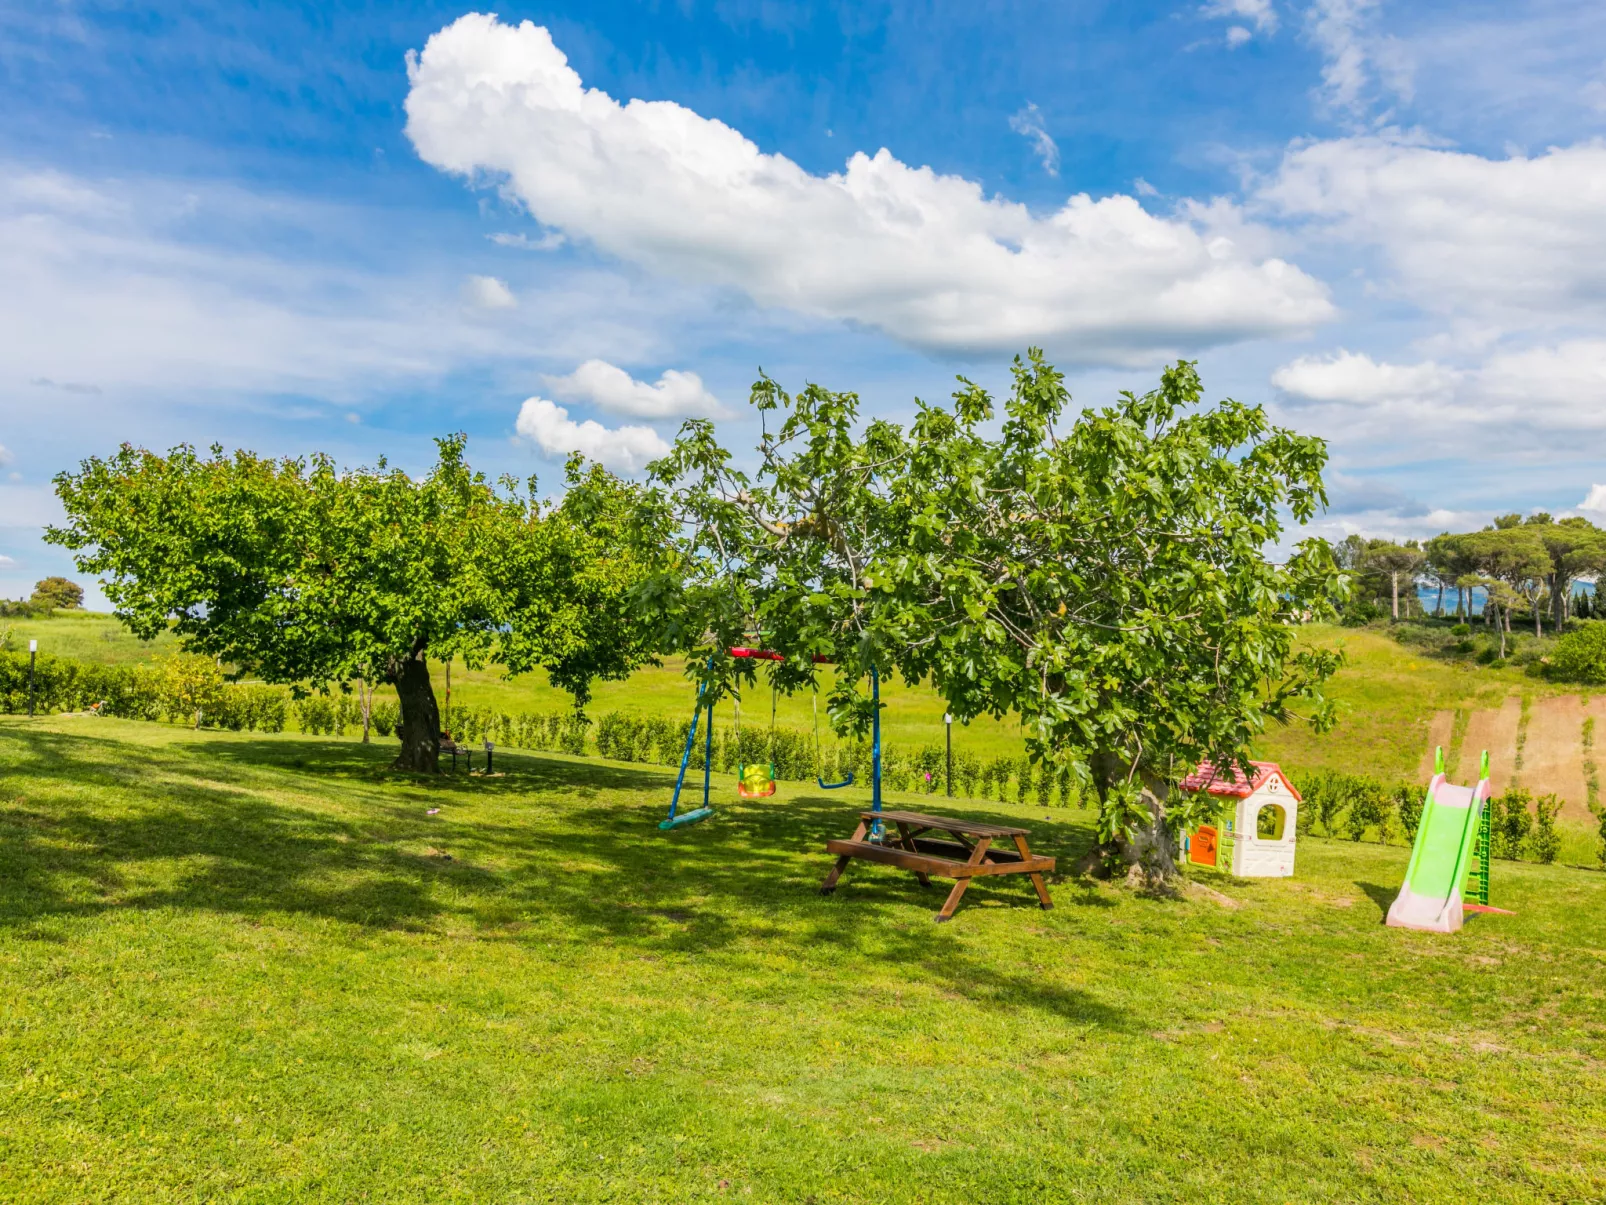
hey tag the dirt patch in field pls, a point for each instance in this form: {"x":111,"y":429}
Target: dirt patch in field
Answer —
{"x":1440,"y":729}
{"x":1553,"y":755}
{"x":1495,"y":731}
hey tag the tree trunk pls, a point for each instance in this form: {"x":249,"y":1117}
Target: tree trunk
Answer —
{"x":1438,"y":607}
{"x":1150,"y":851}
{"x":420,"y":727}
{"x":1504,"y":624}
{"x":1394,"y":588}
{"x":365,"y":698}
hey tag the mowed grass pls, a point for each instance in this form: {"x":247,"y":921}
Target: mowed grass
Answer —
{"x":85,"y":635}
{"x":245,"y":968}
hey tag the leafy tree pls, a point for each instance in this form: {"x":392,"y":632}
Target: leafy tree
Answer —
{"x":1449,"y":560}
{"x":302,"y":572}
{"x":1576,"y":548}
{"x":58,"y":593}
{"x":1394,"y":561}
{"x":1104,"y":580}
{"x":1516,"y":556}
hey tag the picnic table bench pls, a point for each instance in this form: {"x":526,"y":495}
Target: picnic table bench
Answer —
{"x":965,"y":853}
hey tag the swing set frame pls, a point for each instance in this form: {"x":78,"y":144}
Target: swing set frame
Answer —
{"x":678,"y":819}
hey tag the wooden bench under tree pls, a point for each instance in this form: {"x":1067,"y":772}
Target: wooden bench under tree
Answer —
{"x":448,"y":745}
{"x":965,"y":853}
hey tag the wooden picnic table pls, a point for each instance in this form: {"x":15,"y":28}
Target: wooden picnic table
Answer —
{"x":964,"y":854}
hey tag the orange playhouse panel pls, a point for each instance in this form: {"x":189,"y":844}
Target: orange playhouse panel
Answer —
{"x":1202,"y":846}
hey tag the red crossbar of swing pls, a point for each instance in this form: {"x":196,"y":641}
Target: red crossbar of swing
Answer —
{"x":771,"y":655}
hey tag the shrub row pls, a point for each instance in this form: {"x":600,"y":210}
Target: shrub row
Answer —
{"x":1355,"y":805}
{"x":187,"y":690}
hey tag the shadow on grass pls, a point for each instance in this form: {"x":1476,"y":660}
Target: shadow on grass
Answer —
{"x":1382,"y":896}
{"x":253,"y":827}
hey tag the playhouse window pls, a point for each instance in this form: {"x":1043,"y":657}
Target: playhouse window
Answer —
{"x":1271,"y":822}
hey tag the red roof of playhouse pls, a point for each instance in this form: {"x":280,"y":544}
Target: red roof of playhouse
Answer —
{"x":1208,"y":778}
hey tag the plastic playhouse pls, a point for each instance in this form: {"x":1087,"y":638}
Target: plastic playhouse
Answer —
{"x":1262,"y":829}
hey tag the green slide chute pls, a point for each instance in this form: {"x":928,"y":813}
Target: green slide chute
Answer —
{"x":1430,"y":898}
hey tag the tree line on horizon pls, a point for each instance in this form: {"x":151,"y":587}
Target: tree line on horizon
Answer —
{"x":1528,"y":564}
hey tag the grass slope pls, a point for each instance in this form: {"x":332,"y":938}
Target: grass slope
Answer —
{"x":242,"y":968}
{"x":1387,"y":694}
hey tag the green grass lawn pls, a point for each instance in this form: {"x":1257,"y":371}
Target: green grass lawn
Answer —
{"x":86,"y":635}
{"x":246,"y":968}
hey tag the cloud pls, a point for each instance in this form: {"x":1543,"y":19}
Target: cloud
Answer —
{"x":488,"y":293}
{"x":675,"y":394}
{"x":927,"y":258}
{"x":1356,"y":57}
{"x":65,"y":386}
{"x":7,"y":562}
{"x":622,"y":449}
{"x":6,"y":456}
{"x":165,"y":291}
{"x":1594,"y":501}
{"x":550,"y":241}
{"x":1029,"y":123}
{"x":1520,"y":239}
{"x":1258,"y":13}
{"x":1355,"y":378}
{"x":1515,"y":401}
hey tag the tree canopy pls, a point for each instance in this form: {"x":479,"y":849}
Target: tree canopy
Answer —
{"x":58,"y":592}
{"x":302,"y":572}
{"x":1106,"y":580}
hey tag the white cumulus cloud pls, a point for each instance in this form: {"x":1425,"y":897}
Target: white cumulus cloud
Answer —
{"x":1520,"y":238}
{"x":1515,"y":401}
{"x":488,"y":293}
{"x":674,"y":394}
{"x":6,"y":456}
{"x":1595,"y":500}
{"x":622,"y":449}
{"x":1356,"y":378}
{"x":928,"y":258}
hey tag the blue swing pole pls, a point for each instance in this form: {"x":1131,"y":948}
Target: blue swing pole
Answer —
{"x":708,"y":758}
{"x":875,"y":752}
{"x":704,"y":812}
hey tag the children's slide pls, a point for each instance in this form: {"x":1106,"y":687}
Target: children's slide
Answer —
{"x":1431,"y":897}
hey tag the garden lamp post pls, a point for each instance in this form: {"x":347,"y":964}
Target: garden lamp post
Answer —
{"x":948,"y":732}
{"x":489,"y":749}
{"x":33,"y":651}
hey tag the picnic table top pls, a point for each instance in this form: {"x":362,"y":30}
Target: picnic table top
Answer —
{"x":951,"y":824}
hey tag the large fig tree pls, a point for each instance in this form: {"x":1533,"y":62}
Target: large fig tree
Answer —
{"x":1104,"y":577}
{"x":302,"y":572}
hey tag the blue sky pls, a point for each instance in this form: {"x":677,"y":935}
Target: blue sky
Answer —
{"x":255,"y":225}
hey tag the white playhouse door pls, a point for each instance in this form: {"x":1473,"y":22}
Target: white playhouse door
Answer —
{"x":1271,"y":856}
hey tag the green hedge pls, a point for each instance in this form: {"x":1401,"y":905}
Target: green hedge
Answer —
{"x":1355,"y":806}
